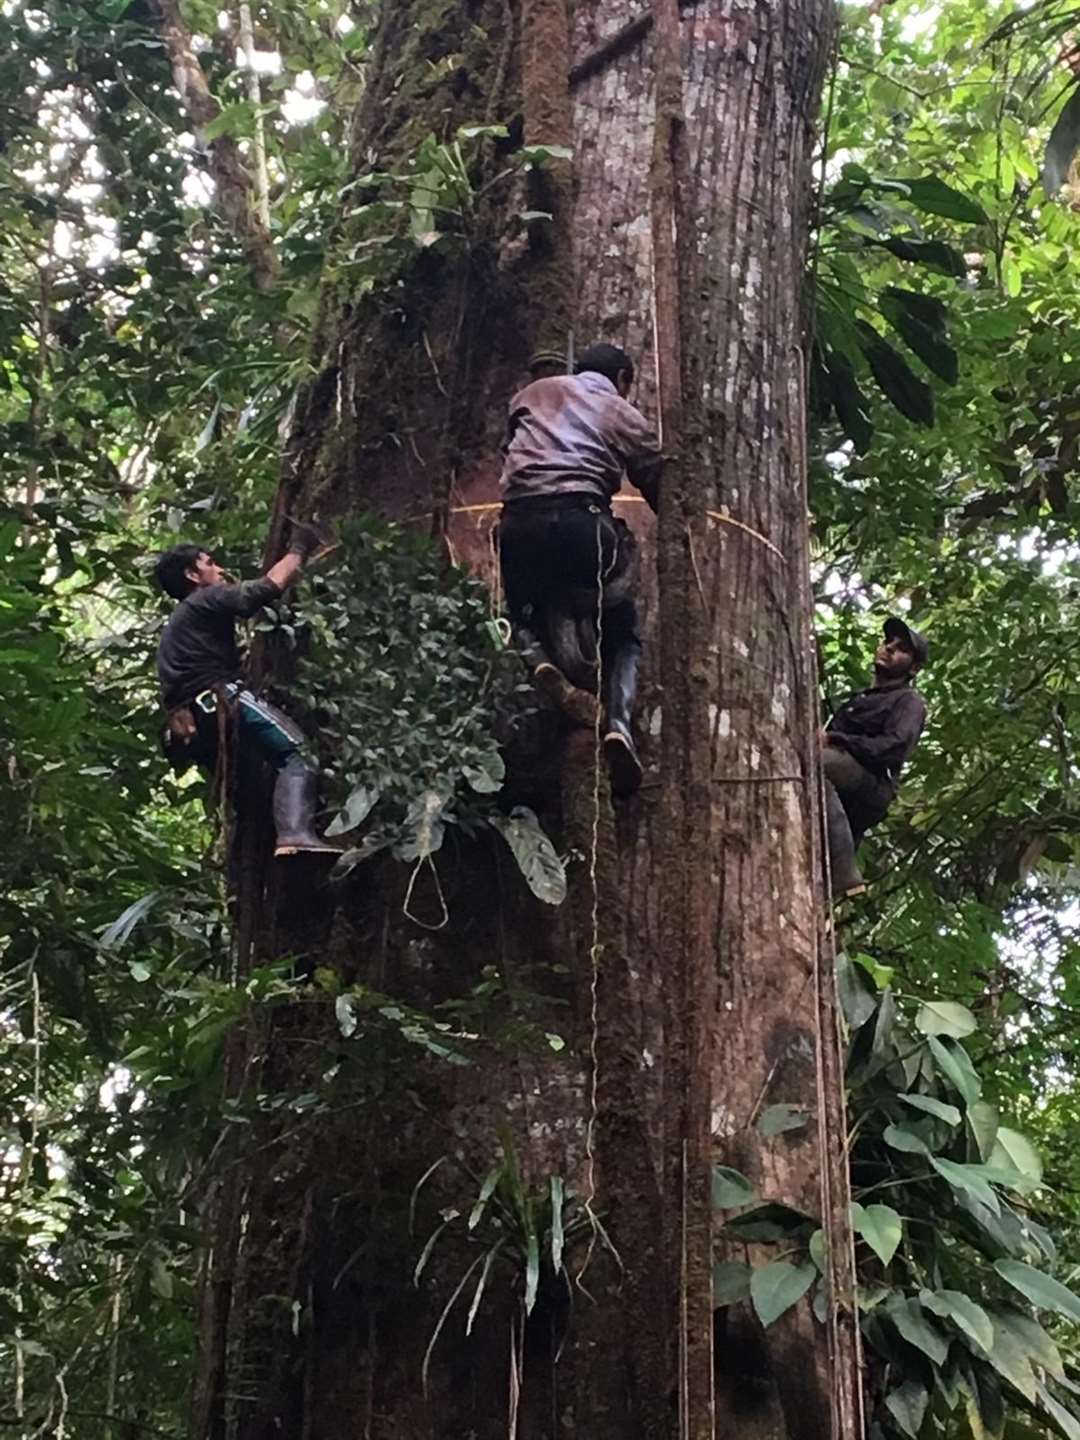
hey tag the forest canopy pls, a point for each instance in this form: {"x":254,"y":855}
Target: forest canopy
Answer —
{"x":154,"y":341}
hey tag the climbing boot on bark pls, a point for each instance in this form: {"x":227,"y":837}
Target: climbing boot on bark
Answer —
{"x":844,"y":873}
{"x":621,"y":755}
{"x":294,"y":814}
{"x":578,"y":705}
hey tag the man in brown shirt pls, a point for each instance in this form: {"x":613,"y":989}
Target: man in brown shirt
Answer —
{"x":865,"y":746}
{"x":572,"y":438}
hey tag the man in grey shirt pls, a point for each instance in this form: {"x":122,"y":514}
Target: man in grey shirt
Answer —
{"x":572,"y":439}
{"x":199,"y":667}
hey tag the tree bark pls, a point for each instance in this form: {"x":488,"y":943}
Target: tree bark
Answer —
{"x":697,"y":989}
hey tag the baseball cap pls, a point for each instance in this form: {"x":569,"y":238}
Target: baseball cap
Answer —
{"x":897,"y":629}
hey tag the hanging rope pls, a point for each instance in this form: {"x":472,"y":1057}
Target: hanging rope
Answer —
{"x":594,"y":942}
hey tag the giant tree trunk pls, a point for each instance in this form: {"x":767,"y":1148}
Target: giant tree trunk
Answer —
{"x":690,"y":942}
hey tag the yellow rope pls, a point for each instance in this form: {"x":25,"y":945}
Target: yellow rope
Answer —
{"x":487,"y":506}
{"x":747,"y":530}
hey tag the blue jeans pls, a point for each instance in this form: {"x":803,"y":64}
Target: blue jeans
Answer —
{"x":260,"y":727}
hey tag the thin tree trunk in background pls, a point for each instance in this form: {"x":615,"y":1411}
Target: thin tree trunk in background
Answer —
{"x":262,"y":178}
{"x":235,"y":191}
{"x":694,"y":1001}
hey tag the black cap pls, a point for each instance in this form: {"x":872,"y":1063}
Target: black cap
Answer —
{"x":897,"y":629}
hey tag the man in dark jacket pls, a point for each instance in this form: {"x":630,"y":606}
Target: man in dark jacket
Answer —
{"x":572,"y":439}
{"x":865,"y":746}
{"x":199,"y":666}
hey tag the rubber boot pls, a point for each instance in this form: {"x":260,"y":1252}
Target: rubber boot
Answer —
{"x":294,"y":814}
{"x":844,"y":871}
{"x":573,"y":645}
{"x":578,"y":705}
{"x":620,"y":686}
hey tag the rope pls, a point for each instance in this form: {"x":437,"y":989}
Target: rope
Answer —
{"x":594,"y":947}
{"x":746,"y":530}
{"x":487,"y":506}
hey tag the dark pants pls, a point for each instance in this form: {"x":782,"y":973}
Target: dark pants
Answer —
{"x":865,"y":797}
{"x":554,"y":545}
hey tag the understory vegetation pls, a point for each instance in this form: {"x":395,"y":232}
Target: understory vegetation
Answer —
{"x":146,"y":388}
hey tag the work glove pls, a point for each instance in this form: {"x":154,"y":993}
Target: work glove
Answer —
{"x":309,"y":541}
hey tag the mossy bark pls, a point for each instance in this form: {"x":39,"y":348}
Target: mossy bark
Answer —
{"x":311,"y":1324}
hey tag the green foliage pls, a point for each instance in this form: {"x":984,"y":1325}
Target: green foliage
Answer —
{"x":435,"y":203}
{"x":943,"y":1216}
{"x":403,"y":668}
{"x":862,"y":215}
{"x":142,"y":386}
{"x":522,"y":1236}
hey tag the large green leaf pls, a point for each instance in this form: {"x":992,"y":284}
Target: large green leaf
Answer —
{"x":534,"y":853}
{"x":934,"y":254}
{"x":857,"y":998}
{"x":487,"y":775}
{"x":917,"y":1329}
{"x":899,"y":1137}
{"x":945,"y":1017}
{"x":730,"y":1189}
{"x":771,"y":1221}
{"x":1041,"y":1289}
{"x":997,"y":1235}
{"x":955,"y":1064}
{"x":971,"y":1178}
{"x":1017,"y":1150}
{"x":354,"y":812}
{"x":775,"y":1287}
{"x":911,"y":396}
{"x":119,"y":932}
{"x":1066,"y":1422}
{"x":731,"y":1283}
{"x":907,"y":1405}
{"x":1011,"y":1358}
{"x":985,"y":1408}
{"x":1031,"y":1336}
{"x":983,"y":1120}
{"x":932,"y":195}
{"x":852,"y":406}
{"x":880,"y":1226}
{"x":964,"y":1313}
{"x":931,"y":347}
{"x":938,"y":1108}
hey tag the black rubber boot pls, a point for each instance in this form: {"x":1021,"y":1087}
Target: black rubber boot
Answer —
{"x":620,"y":686}
{"x":294,"y":814}
{"x":844,"y":871}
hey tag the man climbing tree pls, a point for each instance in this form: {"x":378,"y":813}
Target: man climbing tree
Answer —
{"x":866,"y":745}
{"x":692,"y":948}
{"x":199,"y":667}
{"x":565,"y":558}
